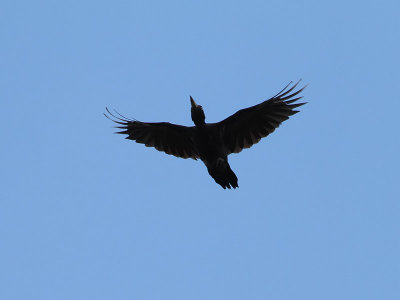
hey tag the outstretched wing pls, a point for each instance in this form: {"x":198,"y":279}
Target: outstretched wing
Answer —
{"x":170,"y":138}
{"x":247,"y":126}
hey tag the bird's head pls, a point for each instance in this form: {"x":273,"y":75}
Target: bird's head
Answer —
{"x":198,"y":115}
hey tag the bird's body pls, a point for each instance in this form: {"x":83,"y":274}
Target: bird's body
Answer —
{"x":208,"y":142}
{"x":213,"y":142}
{"x":214,"y":154}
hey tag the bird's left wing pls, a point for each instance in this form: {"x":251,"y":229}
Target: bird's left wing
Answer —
{"x":247,"y":126}
{"x":172,"y":139}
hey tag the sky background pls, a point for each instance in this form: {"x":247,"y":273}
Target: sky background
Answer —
{"x":85,"y":214}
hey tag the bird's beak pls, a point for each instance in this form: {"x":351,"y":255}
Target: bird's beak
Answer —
{"x":192,"y":101}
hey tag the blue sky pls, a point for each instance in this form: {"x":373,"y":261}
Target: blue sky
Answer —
{"x":85,"y":214}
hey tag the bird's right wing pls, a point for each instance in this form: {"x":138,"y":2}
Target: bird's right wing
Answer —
{"x":172,"y":139}
{"x":247,"y":126}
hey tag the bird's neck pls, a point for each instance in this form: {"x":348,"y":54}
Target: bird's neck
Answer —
{"x":200,"y":124}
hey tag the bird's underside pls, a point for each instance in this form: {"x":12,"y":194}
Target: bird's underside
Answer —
{"x":213,"y":142}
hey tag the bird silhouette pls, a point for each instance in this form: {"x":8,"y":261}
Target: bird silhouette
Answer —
{"x":213,"y":142}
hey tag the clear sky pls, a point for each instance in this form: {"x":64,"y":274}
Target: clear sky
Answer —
{"x":85,"y":214}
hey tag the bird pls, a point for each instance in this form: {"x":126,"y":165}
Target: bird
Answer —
{"x":212,"y":143}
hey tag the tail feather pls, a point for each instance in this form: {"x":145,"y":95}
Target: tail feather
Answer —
{"x":223,"y":175}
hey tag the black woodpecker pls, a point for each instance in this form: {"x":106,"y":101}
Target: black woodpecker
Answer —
{"x":213,"y":142}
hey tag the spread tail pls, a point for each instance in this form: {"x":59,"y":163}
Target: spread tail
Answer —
{"x":223,"y":174}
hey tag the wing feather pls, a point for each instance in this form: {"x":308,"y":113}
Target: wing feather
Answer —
{"x":248,"y":126}
{"x":172,"y":139}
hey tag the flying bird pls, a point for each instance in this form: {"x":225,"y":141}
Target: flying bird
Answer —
{"x":213,"y":142}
